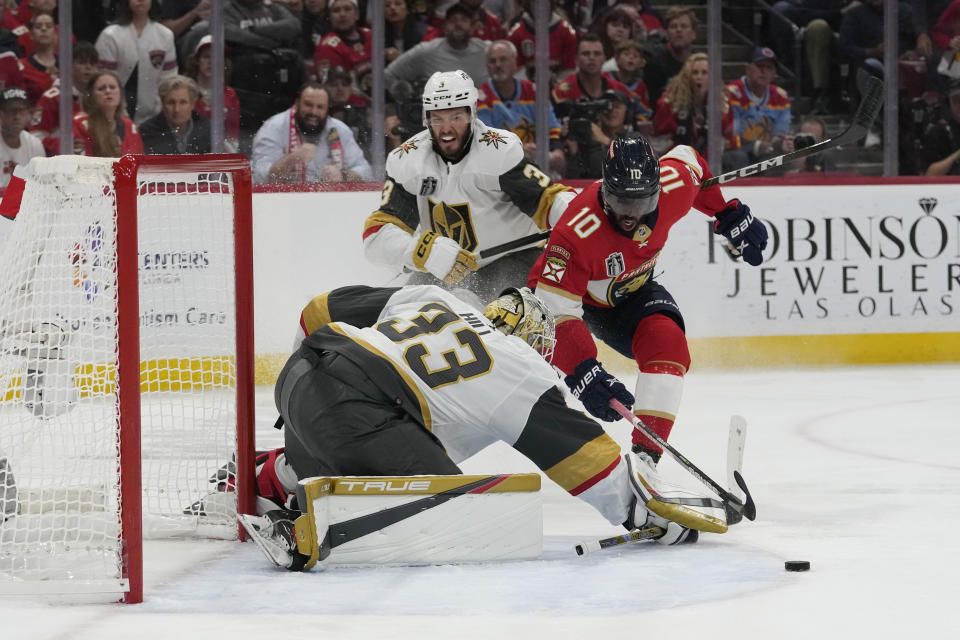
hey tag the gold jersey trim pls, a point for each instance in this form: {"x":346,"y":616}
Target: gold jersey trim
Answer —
{"x":592,"y":458}
{"x":542,"y":214}
{"x":560,"y":292}
{"x":317,"y":313}
{"x":378,"y":218}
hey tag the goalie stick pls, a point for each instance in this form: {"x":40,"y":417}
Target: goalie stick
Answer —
{"x":736,"y":509}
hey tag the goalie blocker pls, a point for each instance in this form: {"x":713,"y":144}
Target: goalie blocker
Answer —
{"x":405,"y":520}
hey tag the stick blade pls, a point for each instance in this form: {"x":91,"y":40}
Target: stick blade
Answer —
{"x":870,"y":104}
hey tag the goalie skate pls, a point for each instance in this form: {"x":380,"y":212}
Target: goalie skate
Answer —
{"x":274,"y":534}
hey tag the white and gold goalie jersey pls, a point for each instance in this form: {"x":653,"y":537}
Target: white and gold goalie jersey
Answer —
{"x":469,"y":384}
{"x":491,"y":196}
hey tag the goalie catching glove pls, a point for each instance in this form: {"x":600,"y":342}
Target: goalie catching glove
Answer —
{"x":746,"y":234}
{"x":595,"y":388}
{"x":443,"y":257}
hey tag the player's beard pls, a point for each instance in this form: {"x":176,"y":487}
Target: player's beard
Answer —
{"x":461,"y":151}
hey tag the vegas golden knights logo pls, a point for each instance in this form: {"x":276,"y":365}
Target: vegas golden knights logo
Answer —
{"x":453,"y":221}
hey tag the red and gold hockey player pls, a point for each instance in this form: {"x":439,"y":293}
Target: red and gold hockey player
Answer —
{"x":596,"y":275}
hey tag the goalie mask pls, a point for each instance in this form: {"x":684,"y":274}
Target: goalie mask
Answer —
{"x":518,"y":312}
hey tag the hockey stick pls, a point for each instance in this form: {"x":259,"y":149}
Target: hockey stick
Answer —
{"x":735,"y":508}
{"x":634,"y":536}
{"x":862,"y":120}
{"x":513,"y":244}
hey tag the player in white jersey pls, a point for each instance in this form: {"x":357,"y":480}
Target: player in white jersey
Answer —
{"x":412,"y":381}
{"x":455,"y":189}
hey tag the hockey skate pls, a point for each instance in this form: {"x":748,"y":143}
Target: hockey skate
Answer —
{"x":668,"y":503}
{"x":274,"y":534}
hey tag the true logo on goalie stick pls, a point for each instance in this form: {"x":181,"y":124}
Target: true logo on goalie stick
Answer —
{"x":428,"y":187}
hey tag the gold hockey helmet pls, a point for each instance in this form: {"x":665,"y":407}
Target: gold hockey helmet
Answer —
{"x":518,"y":312}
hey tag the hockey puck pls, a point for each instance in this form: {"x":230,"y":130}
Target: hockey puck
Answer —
{"x":797,"y":565}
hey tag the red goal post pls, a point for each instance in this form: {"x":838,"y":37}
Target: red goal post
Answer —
{"x":133,"y":298}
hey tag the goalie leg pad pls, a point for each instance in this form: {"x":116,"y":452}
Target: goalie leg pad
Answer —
{"x":673,"y":504}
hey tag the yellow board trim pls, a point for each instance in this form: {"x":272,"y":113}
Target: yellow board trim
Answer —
{"x":808,"y":350}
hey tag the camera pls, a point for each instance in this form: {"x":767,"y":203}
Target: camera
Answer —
{"x":803,"y":140}
{"x":582,"y":113}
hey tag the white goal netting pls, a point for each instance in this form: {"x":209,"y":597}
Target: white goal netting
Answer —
{"x":61,"y":452}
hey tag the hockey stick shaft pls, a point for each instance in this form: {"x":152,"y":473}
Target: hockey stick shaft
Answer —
{"x":648,"y":533}
{"x":513,"y":244}
{"x":863,"y":119}
{"x":729,"y":499}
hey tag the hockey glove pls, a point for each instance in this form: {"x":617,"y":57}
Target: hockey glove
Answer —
{"x":595,"y":388}
{"x":443,"y":257}
{"x":746,"y":234}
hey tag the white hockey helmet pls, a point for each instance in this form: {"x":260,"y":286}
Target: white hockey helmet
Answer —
{"x":448,"y":90}
{"x":518,"y":312}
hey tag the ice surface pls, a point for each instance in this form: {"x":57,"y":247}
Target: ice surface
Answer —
{"x":853,"y":469}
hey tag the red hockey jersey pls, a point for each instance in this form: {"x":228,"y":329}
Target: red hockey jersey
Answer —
{"x":587,"y":261}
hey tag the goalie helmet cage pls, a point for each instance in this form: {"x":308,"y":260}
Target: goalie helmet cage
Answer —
{"x":126,"y":367}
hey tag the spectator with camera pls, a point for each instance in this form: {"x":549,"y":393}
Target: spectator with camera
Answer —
{"x":177,"y":129}
{"x":508,"y":102}
{"x":348,"y":45}
{"x":941,"y":141}
{"x":586,"y":147}
{"x":665,"y":60}
{"x":812,"y":130}
{"x":761,"y":111}
{"x":304,"y":144}
{"x":458,"y":49}
{"x":562,"y":46}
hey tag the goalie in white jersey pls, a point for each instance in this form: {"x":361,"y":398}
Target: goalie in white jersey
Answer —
{"x":412,"y":381}
{"x":455,"y":189}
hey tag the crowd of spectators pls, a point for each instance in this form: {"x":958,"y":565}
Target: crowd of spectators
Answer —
{"x":298,"y":76}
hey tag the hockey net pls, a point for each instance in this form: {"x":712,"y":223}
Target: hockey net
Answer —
{"x":126,"y":383}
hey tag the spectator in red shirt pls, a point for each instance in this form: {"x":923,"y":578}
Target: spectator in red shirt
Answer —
{"x":629,"y":62}
{"x":348,"y":45}
{"x":562,"y":45}
{"x":200,"y":68}
{"x":11,"y":74}
{"x":40,"y":68}
{"x":101,"y":129}
{"x":46,"y":114}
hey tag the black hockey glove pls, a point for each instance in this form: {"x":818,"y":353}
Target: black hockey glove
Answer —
{"x":746,"y":234}
{"x":595,"y":388}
